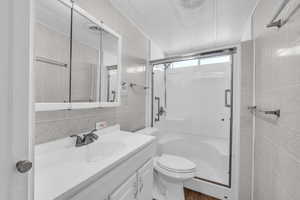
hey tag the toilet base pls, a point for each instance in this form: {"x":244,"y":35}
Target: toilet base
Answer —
{"x":166,"y":188}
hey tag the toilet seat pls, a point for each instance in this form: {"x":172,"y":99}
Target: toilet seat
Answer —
{"x":176,"y":164}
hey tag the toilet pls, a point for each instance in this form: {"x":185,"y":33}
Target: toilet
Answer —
{"x":170,"y":172}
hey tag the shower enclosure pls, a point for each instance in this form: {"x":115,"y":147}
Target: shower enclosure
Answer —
{"x":192,"y":100}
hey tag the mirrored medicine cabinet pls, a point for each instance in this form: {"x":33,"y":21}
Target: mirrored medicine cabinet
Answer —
{"x":77,"y":59}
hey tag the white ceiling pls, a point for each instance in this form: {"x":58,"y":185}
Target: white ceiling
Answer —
{"x":182,"y":26}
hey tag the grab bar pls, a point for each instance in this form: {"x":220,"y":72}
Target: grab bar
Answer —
{"x":279,"y":23}
{"x":139,"y":86}
{"x":50,"y":61}
{"x":158,"y":105}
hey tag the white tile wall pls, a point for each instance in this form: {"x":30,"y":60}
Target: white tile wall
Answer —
{"x":58,"y":124}
{"x":277,"y":143}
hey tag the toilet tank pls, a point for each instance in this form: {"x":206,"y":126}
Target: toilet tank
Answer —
{"x":148,"y":131}
{"x":153,"y":132}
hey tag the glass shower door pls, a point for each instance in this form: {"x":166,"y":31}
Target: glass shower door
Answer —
{"x":192,"y":109}
{"x":159,"y":91}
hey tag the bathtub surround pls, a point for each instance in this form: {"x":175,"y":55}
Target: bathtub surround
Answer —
{"x":59,"y":124}
{"x":195,"y":92}
{"x":196,"y":114}
{"x":277,"y":141}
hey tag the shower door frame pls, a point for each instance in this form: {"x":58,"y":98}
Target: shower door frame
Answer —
{"x":233,"y":52}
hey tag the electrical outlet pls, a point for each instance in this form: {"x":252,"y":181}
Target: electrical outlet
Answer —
{"x":101,"y":125}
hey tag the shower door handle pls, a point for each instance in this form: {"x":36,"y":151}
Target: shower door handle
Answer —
{"x":228,"y":91}
{"x":158,"y":111}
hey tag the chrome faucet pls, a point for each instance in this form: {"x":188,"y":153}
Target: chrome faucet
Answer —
{"x":86,"y":138}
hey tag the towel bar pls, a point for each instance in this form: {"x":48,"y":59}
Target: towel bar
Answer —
{"x":266,"y":112}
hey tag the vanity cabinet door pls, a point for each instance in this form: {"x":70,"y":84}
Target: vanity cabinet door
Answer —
{"x":110,"y":68}
{"x":145,"y":181}
{"x":127,"y":191}
{"x":86,"y":47}
{"x":51,"y":64}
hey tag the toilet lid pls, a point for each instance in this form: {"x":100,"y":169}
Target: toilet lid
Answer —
{"x":176,"y":164}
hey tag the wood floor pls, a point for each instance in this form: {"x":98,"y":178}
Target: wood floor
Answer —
{"x":191,"y":195}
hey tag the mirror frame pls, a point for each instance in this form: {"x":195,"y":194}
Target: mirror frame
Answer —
{"x":86,"y":105}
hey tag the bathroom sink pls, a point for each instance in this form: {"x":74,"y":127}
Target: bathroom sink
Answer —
{"x":103,"y":149}
{"x":61,"y":168}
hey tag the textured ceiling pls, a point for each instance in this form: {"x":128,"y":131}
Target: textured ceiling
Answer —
{"x":181,"y":26}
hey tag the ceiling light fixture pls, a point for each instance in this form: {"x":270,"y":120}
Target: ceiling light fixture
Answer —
{"x":191,"y":4}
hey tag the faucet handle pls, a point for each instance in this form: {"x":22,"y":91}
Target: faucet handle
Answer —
{"x":77,"y":136}
{"x":78,"y":140}
{"x":93,"y":131}
{"x":93,"y":135}
{"x":85,"y":139}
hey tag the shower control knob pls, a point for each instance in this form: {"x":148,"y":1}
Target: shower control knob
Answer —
{"x":23,"y":166}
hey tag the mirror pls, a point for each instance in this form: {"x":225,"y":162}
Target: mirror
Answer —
{"x":77,"y":58}
{"x":110,"y":82}
{"x":86,"y":46}
{"x":52,"y":51}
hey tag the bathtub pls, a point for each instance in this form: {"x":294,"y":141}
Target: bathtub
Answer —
{"x":211,"y":155}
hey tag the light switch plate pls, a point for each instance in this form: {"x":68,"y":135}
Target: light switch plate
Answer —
{"x":101,"y":125}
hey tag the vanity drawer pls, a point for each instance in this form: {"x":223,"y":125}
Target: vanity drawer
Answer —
{"x":127,"y":191}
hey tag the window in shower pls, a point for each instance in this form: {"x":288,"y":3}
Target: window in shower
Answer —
{"x":215,"y":60}
{"x":192,"y":108}
{"x":185,"y":63}
{"x":198,"y":62}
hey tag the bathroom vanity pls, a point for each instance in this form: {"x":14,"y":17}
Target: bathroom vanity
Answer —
{"x":118,"y":166}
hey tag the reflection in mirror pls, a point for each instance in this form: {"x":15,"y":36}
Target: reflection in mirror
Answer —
{"x":111,"y":81}
{"x":86,"y":43}
{"x":109,"y":68}
{"x":52,"y":51}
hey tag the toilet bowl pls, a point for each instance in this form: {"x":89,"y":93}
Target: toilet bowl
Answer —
{"x":170,"y":172}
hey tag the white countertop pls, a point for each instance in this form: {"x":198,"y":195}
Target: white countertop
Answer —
{"x":60,"y":166}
